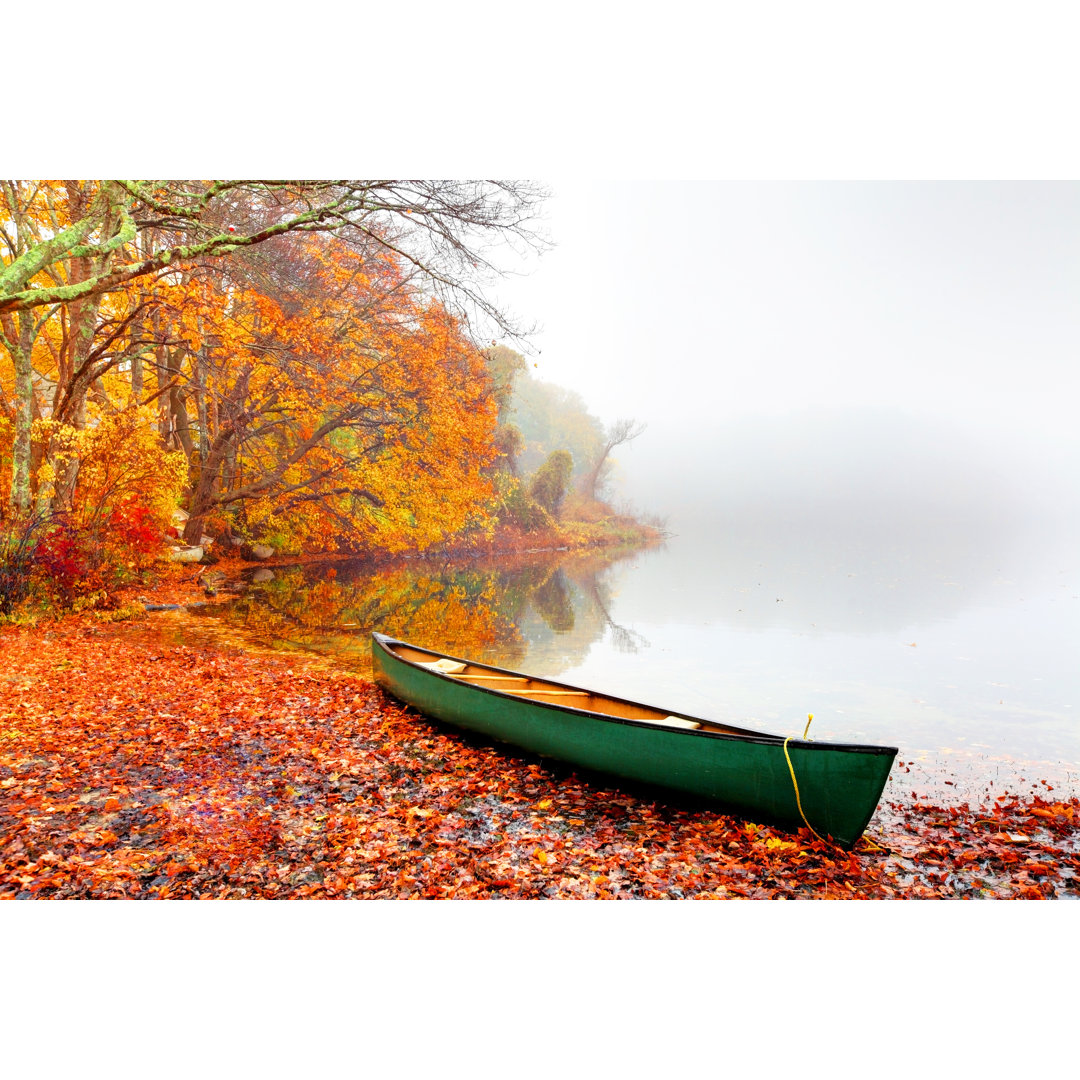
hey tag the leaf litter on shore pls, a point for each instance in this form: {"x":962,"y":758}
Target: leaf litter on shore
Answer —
{"x":135,"y":765}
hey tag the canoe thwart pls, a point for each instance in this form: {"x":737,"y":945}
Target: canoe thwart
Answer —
{"x":474,"y":677}
{"x":674,"y":721}
{"x":530,"y":690}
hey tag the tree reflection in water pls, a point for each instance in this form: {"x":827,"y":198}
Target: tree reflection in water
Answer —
{"x":494,"y":610}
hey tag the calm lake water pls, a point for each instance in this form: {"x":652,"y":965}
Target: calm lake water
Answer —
{"x":956,"y":646}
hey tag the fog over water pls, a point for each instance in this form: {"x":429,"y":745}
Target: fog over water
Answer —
{"x":861,"y":408}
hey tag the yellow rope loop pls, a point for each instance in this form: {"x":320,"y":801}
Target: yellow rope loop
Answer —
{"x":798,"y":799}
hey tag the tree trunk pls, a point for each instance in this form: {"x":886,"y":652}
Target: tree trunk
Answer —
{"x":20,"y":342}
{"x":179,"y":426}
{"x":82,"y":321}
{"x":202,"y":498}
{"x":199,"y":364}
{"x":136,"y":379}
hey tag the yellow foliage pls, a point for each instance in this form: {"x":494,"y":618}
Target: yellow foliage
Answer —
{"x":120,"y":458}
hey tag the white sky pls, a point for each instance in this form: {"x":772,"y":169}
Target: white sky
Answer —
{"x":703,"y":300}
{"x":736,"y":316}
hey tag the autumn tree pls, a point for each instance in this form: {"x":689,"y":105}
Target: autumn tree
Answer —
{"x":505,"y":366}
{"x":71,"y":250}
{"x":509,"y":442}
{"x":326,"y":397}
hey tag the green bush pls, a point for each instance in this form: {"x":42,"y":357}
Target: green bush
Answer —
{"x":526,"y":513}
{"x":551,"y":481}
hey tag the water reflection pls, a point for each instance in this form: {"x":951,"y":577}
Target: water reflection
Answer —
{"x":549,"y":606}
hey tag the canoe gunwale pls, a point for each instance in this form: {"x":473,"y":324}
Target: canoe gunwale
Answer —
{"x":732,"y":734}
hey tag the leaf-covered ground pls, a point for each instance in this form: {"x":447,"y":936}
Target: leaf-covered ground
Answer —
{"x":134,"y":765}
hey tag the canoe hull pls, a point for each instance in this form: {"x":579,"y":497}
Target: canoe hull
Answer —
{"x":839,"y":785}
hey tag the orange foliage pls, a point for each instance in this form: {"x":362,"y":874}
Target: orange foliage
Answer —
{"x":344,"y":410}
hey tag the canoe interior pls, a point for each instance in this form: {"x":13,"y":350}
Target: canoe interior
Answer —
{"x":563,"y":696}
{"x":545,"y":690}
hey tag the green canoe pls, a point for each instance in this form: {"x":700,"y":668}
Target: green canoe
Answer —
{"x":833,"y":788}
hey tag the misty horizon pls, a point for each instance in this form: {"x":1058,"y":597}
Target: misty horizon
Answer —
{"x":851,"y":465}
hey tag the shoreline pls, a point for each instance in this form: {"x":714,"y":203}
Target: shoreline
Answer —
{"x":505,"y":541}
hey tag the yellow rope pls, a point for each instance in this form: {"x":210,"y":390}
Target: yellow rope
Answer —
{"x":791,"y":769}
{"x":798,"y":800}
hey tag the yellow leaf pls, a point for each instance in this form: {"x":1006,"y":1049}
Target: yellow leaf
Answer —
{"x":773,"y":844}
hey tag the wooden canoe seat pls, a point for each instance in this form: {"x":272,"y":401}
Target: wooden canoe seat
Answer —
{"x":672,"y":721}
{"x":447,"y":667}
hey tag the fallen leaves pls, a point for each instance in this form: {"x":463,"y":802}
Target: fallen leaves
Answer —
{"x":216,"y":773}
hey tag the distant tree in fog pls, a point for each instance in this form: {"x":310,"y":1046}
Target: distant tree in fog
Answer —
{"x":552,"y":417}
{"x":622,"y":431}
